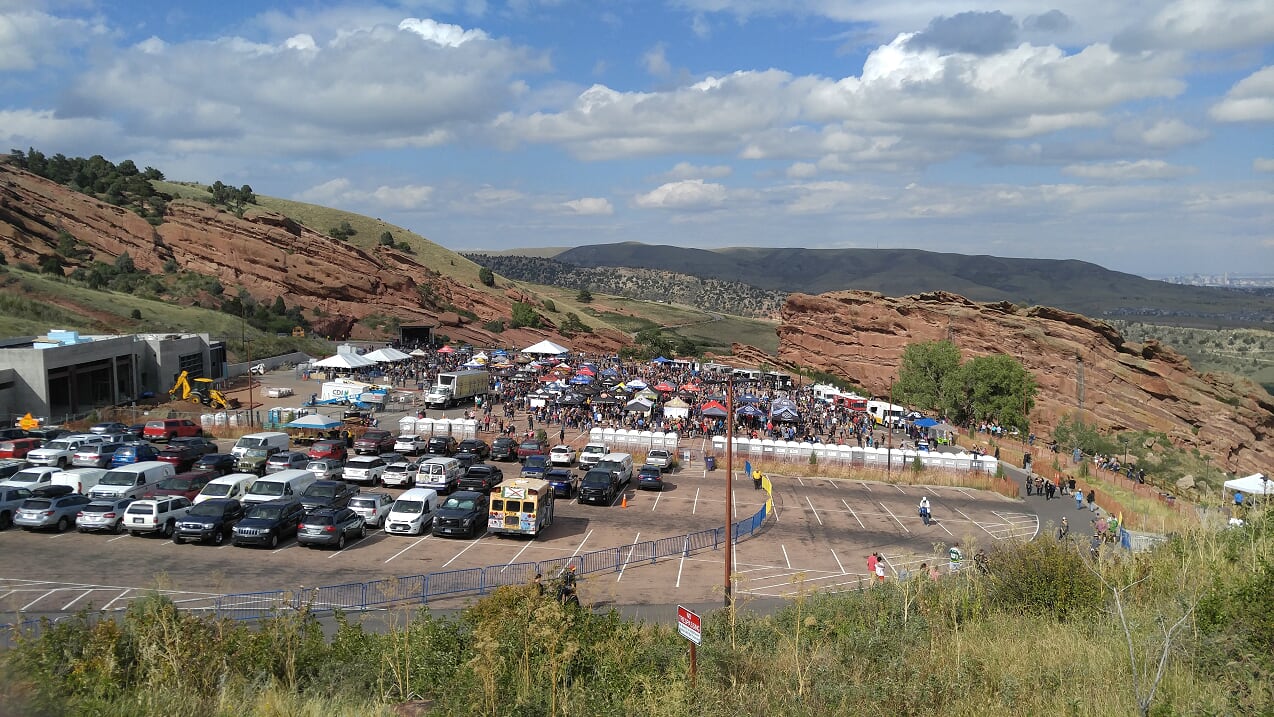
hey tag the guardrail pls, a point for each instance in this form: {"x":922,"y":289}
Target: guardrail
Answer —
{"x":473,"y":581}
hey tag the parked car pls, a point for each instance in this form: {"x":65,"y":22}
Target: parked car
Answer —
{"x":372,"y":506}
{"x":591,"y":454}
{"x":11,"y":498}
{"x":482,"y":477}
{"x":48,"y":433}
{"x":463,"y":513}
{"x":329,"y":448}
{"x":131,"y":453}
{"x":442,"y":446}
{"x":565,"y":482}
{"x":535,"y":466}
{"x":60,"y":451}
{"x":58,"y":513}
{"x":54,"y":490}
{"x":201,"y":445}
{"x":156,"y":515}
{"x":330,"y":527}
{"x":374,"y":442}
{"x":95,"y":455}
{"x":400,"y":474}
{"x":182,"y":457}
{"x":650,"y":477}
{"x":106,"y":514}
{"x":285,"y":461}
{"x":170,"y":428}
{"x":32,"y":478}
{"x":598,"y":486}
{"x":327,"y":494}
{"x":108,"y":428}
{"x":532,"y":447}
{"x":211,"y":521}
{"x":8,"y":434}
{"x":18,"y":447}
{"x":411,"y":444}
{"x":476,"y":446}
{"x":187,"y":485}
{"x":268,"y":523}
{"x":365,"y":470}
{"x":562,"y":455}
{"x":466,"y":459}
{"x":659,"y":458}
{"x":326,"y":468}
{"x":504,"y":449}
{"x":253,"y":460}
{"x":219,"y":463}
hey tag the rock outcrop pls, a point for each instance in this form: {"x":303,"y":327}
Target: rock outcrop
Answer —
{"x":1126,"y":386}
{"x":265,"y":253}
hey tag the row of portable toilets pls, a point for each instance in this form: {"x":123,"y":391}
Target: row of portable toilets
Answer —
{"x":460,"y":428}
{"x":226,"y":418}
{"x":852,"y":455}
{"x":623,"y":440}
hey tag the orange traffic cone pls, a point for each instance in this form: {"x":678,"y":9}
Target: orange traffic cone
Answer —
{"x":624,"y":502}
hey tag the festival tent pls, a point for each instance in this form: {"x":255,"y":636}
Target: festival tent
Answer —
{"x":639,"y":405}
{"x":664,"y":387}
{"x":749,"y":399}
{"x":581,"y":379}
{"x":749,"y":412}
{"x":605,"y":399}
{"x":446,"y":350}
{"x":314,"y":421}
{"x":661,"y":360}
{"x":784,"y":409}
{"x":925,"y":422}
{"x":676,"y":408}
{"x":345,"y":361}
{"x":1255,"y":484}
{"x":386,"y":355}
{"x":419,"y":353}
{"x":545,"y":348}
{"x":712,"y":409}
{"x":609,"y":373}
{"x":586,"y":371}
{"x":636,"y":384}
{"x":690,"y":388}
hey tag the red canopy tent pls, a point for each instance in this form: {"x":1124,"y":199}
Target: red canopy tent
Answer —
{"x":446,"y":350}
{"x":664,"y":387}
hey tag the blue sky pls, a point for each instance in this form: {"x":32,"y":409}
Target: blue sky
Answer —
{"x":1138,"y":135}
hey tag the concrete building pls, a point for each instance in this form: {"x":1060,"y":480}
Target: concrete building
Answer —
{"x":65,"y":374}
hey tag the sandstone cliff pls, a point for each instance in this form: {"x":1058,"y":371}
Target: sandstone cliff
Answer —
{"x":861,"y":336}
{"x":267,"y":254}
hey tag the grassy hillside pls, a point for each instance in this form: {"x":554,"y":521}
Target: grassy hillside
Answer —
{"x":1073,"y":285}
{"x":1242,"y":352}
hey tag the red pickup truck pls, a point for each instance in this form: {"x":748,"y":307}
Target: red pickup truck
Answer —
{"x":374,"y":443}
{"x":532,"y":447}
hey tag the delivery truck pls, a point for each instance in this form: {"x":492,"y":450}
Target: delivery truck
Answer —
{"x":453,"y":387}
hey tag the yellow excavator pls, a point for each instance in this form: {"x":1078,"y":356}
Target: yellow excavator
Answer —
{"x":201,"y":392}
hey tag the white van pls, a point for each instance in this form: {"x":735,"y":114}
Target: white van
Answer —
{"x":81,"y":480}
{"x":620,"y":463}
{"x":413,"y":512}
{"x":287,"y":484}
{"x":233,"y":485}
{"x":136,"y":480}
{"x":269,"y":439}
{"x":441,"y":474}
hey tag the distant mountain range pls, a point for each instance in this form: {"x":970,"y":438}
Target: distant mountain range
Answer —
{"x":1077,"y":286}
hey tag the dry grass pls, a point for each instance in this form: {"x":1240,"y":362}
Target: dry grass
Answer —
{"x":905,"y":476}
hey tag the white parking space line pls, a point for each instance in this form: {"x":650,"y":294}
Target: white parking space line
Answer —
{"x":514,"y":559}
{"x":971,"y":520}
{"x":685,"y":548}
{"x":409,"y":547}
{"x":966,"y":492}
{"x":107,"y":606}
{"x":57,"y":535}
{"x":695,"y":507}
{"x":121,"y":536}
{"x":785,"y":558}
{"x":26,"y":607}
{"x":799,"y":480}
{"x":865,"y":486}
{"x":813,"y":510}
{"x":81,"y":597}
{"x":357,"y":541}
{"x":900,"y":490}
{"x":891,"y":515}
{"x":851,"y":512}
{"x":581,"y":543}
{"x":462,"y":552}
{"x":658,"y":495}
{"x":629,"y":558}
{"x":838,"y":563}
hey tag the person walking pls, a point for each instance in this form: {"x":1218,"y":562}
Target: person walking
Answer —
{"x":1092,"y":500}
{"x":1063,"y":530}
{"x":1079,"y":500}
{"x":924,"y":509}
{"x":871,"y":564}
{"x":880,"y":569}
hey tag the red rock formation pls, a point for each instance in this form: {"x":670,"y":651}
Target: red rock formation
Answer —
{"x":861,"y":336}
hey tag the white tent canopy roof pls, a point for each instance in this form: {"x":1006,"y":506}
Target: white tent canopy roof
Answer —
{"x":345,"y":361}
{"x":1255,"y":484}
{"x":545,"y":348}
{"x":386,"y":355}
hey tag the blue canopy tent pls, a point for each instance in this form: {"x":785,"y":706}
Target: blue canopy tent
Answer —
{"x":784,"y":410}
{"x":749,"y":412}
{"x":581,"y":379}
{"x":749,"y":399}
{"x":712,"y":409}
{"x":926,"y":422}
{"x":660,"y":360}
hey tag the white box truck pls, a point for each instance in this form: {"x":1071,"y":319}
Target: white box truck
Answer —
{"x":453,"y":387}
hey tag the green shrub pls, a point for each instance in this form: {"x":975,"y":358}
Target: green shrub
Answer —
{"x":1043,"y":577}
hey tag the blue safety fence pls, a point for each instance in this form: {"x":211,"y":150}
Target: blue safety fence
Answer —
{"x":420,"y":589}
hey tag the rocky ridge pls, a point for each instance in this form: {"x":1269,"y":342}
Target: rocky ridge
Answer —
{"x":1127,"y":386}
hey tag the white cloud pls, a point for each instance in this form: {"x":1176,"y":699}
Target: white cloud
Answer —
{"x":1263,"y":164}
{"x":1159,"y":134}
{"x":1204,"y":25}
{"x":686,"y":170}
{"x":1127,"y":171}
{"x":656,"y":61}
{"x":441,"y":33}
{"x":590,"y":206}
{"x":1250,"y":100}
{"x":689,"y":194}
{"x":341,"y":192}
{"x":30,"y":39}
{"x":802,"y":170}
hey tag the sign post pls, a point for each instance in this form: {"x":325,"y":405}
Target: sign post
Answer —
{"x":690,"y":626}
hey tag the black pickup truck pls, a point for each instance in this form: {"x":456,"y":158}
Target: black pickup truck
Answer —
{"x":599,"y":486}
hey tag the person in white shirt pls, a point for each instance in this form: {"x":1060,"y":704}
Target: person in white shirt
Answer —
{"x":924,"y":509}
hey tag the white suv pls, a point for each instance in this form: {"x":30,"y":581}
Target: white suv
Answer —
{"x":402,"y":474}
{"x":156,"y":515}
{"x":410,"y":444}
{"x":60,"y":451}
{"x":364,"y":469}
{"x":591,"y":454}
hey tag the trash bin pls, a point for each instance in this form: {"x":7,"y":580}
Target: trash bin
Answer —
{"x":710,"y":462}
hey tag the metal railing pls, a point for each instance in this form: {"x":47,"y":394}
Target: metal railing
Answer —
{"x":473,"y":581}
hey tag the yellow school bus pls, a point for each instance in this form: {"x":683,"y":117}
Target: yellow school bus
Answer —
{"x":521,"y":506}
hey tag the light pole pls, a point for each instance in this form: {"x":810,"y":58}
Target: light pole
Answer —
{"x":889,"y":435}
{"x":729,"y":491}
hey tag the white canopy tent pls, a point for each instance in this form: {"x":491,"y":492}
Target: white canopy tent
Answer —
{"x":545,"y":348}
{"x":1255,"y":484}
{"x":418,"y":353}
{"x":345,"y":361}
{"x":388,"y":354}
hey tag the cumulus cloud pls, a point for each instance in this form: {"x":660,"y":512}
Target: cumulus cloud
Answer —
{"x":1202,"y":25}
{"x":1051,"y":22}
{"x":656,"y":61}
{"x":975,"y":33}
{"x":590,"y":206}
{"x":1250,"y":100}
{"x":1164,"y":134}
{"x":802,"y":170}
{"x":686,"y":170}
{"x":1263,"y":164}
{"x":1127,"y":171}
{"x":342,"y":192}
{"x":689,"y":194}
{"x":441,"y":33}
{"x":30,"y":39}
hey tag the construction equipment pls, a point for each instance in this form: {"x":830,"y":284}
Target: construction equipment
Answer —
{"x":201,"y":392}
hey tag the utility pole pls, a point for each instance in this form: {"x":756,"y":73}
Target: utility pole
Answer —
{"x":729,"y":491}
